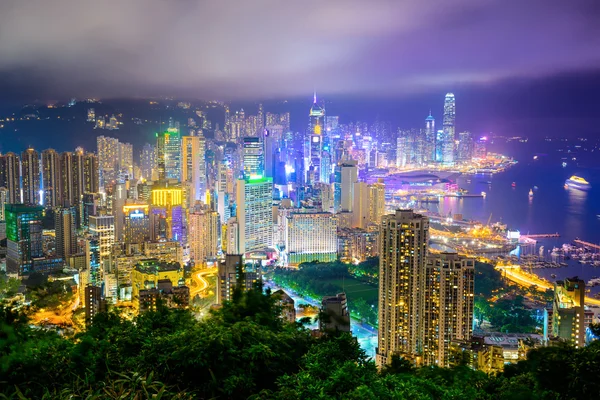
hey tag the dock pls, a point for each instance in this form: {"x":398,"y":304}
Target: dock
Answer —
{"x":586,"y":244}
{"x":542,"y":236}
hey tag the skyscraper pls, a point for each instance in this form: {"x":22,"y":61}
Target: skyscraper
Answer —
{"x":108,"y":157}
{"x":24,"y":237}
{"x":430,"y":138}
{"x":254,"y":199}
{"x":345,"y":177}
{"x":316,"y":134}
{"x":449,"y":127}
{"x":66,"y":238}
{"x":168,"y":154}
{"x":203,"y":234}
{"x":51,"y":178}
{"x":465,"y":146}
{"x":10,"y":177}
{"x":3,"y":202}
{"x":448,"y":301}
{"x":137,"y":223}
{"x":253,"y":157}
{"x":193,"y":167}
{"x":148,"y":162}
{"x":30,"y":171}
{"x":402,"y":249}
{"x":568,"y":311}
{"x":68,"y":185}
{"x":91,"y":178}
{"x":103,"y":228}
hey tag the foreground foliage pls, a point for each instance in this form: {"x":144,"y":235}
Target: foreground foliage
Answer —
{"x":246,"y":351}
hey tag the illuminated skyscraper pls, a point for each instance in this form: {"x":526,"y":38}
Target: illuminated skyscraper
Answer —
{"x":69,"y":179}
{"x":402,"y":249}
{"x":10,"y":177}
{"x":465,"y":146}
{"x":171,"y":200}
{"x":103,"y":228}
{"x":125,"y":158}
{"x":447,"y":301}
{"x":348,"y":175}
{"x":193,"y":167}
{"x":311,"y":236}
{"x":108,"y":159}
{"x":91,"y":178}
{"x":3,"y":202}
{"x":137,"y":223}
{"x":24,"y":237}
{"x":148,"y":162}
{"x":376,"y":202}
{"x":51,"y":178}
{"x":430,"y":138}
{"x":449,"y":127}
{"x":316,"y":134}
{"x":254,"y":199}
{"x":253,"y":157}
{"x":568,"y":311}
{"x":168,"y":153}
{"x":30,"y":171}
{"x":203,"y":234}
{"x":66,"y":238}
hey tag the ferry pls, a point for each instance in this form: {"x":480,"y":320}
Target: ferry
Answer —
{"x":577,"y":182}
{"x":530,"y":192}
{"x":513,"y":184}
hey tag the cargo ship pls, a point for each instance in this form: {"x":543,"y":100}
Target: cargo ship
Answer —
{"x":577,"y":182}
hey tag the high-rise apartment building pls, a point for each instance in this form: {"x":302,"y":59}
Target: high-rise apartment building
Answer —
{"x":310,"y":237}
{"x":24,"y":237}
{"x":66,"y":238}
{"x":148,"y":162}
{"x":3,"y":202}
{"x":51,"y":178}
{"x":335,"y":314}
{"x":10,"y":177}
{"x":376,"y":202}
{"x":449,"y":127}
{"x":402,"y":250}
{"x":108,"y":159}
{"x":568,"y":311}
{"x":254,"y":199}
{"x":193,"y":167}
{"x":232,"y":275}
{"x":203,"y":234}
{"x":30,"y":172}
{"x":91,"y":177}
{"x":447,"y":305}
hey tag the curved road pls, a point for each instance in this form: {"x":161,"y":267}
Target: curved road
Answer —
{"x":200,"y":283}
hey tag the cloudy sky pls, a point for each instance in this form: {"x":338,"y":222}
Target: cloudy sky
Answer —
{"x":240,"y":49}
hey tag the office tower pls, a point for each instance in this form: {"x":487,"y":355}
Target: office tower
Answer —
{"x":108,"y":158}
{"x":137,"y":223}
{"x":360,"y":205}
{"x":254,"y":199}
{"x":171,"y":201}
{"x":271,"y":151}
{"x":89,"y":206}
{"x":193,"y":167}
{"x":3,"y":202}
{"x":325,"y":173}
{"x":125,"y":158}
{"x":465,"y":146}
{"x":430,"y":138}
{"x":439,"y":146}
{"x":119,"y":198}
{"x":449,"y":126}
{"x":103,"y":227}
{"x":335,"y":316}
{"x":93,"y":261}
{"x":203,"y":234}
{"x":568,"y":311}
{"x":168,"y":154}
{"x":66,"y":238}
{"x":480,"y":148}
{"x":232,"y":275}
{"x":91,"y":178}
{"x":24,"y":237}
{"x":376,"y":202}
{"x":51,"y":178}
{"x":345,"y":178}
{"x":310,"y":237}
{"x":253,"y":157}
{"x":402,"y":250}
{"x":402,"y":150}
{"x":30,"y":172}
{"x":447,"y":296}
{"x":148,"y":162}
{"x":10,"y":177}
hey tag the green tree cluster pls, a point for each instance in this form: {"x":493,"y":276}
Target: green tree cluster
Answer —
{"x":246,"y":350}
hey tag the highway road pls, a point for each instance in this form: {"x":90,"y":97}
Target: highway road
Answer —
{"x":520,"y":277}
{"x":199,"y":281}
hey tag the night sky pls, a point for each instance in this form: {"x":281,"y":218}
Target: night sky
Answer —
{"x":515,"y":66}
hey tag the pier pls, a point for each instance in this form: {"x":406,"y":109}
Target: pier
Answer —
{"x":542,"y":236}
{"x":586,"y":244}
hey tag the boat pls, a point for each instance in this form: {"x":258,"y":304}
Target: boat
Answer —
{"x":577,"y":182}
{"x":513,"y":184}
{"x":530,"y":192}
{"x":553,"y":276}
{"x":535,"y":187}
{"x":564,"y":164}
{"x":483,"y":194}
